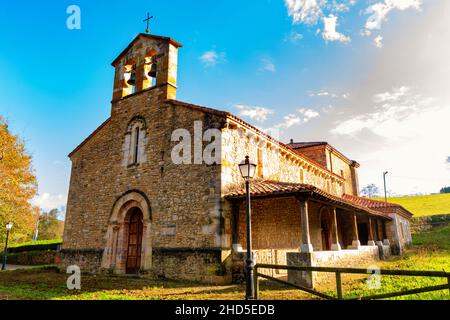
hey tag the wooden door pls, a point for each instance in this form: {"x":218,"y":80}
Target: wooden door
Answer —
{"x":326,"y":230}
{"x":134,"y":242}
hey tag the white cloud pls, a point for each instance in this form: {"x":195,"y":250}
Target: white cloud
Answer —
{"x":378,"y":41}
{"x":268,"y":65}
{"x":305,"y":115}
{"x":392,"y":110}
{"x":47,"y":201}
{"x":379,"y":12}
{"x":289,"y":121}
{"x":342,"y":6}
{"x":293,"y":37}
{"x":311,"y":12}
{"x":257,"y":113}
{"x":395,"y":95}
{"x":321,"y":93}
{"x":308,"y":114}
{"x":211,"y":58}
{"x":305,"y":11}
{"x":329,"y":33}
{"x":325,"y":93}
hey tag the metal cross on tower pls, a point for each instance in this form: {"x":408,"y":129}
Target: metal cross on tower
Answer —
{"x":148,"y":22}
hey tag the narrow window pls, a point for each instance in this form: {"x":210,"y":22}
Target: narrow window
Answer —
{"x":260,"y":163}
{"x":136,"y":145}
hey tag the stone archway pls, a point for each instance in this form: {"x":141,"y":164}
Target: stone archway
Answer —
{"x":115,"y":253}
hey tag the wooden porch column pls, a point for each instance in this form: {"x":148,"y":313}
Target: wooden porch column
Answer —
{"x":379,"y":241}
{"x":385,"y":239}
{"x":306,"y":245}
{"x":335,"y":246}
{"x":235,"y":205}
{"x":355,"y":243}
{"x":371,"y":242}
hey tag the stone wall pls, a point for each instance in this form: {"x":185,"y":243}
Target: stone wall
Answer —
{"x":316,"y":153}
{"x":89,"y":260}
{"x":276,"y":224}
{"x":343,"y":169}
{"x":203,"y":265}
{"x":421,"y":224}
{"x":399,"y":233}
{"x":185,"y":200}
{"x":239,"y":142}
{"x":364,"y":257}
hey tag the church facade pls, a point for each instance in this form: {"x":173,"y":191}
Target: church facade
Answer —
{"x":156,"y":189}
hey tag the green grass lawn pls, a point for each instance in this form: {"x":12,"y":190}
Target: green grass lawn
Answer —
{"x":431,"y":251}
{"x":424,"y":205}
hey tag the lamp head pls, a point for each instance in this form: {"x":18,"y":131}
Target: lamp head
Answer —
{"x":247,"y":168}
{"x":9,"y":226}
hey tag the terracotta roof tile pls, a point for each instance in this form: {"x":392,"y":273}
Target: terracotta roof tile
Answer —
{"x":380,"y":206}
{"x":299,"y":145}
{"x":259,"y":188}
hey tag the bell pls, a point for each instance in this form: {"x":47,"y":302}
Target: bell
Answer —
{"x":152,"y":72}
{"x":132,"y":80}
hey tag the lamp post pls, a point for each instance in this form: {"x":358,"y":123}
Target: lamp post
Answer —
{"x":36,"y":232}
{"x":247,"y":169}
{"x":9,"y":225}
{"x":384,"y":180}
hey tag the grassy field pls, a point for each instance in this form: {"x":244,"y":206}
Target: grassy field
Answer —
{"x":430,"y":252}
{"x":424,"y":205}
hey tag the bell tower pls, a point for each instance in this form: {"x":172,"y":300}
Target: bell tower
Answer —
{"x":148,"y":62}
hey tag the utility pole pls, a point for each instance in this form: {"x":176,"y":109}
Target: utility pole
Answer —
{"x":384,"y":180}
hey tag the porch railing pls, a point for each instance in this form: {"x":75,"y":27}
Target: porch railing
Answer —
{"x":338,"y":273}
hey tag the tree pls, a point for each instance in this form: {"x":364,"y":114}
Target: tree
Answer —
{"x":50,"y":227}
{"x":445,"y":190}
{"x":17,"y":186}
{"x":370,"y":190}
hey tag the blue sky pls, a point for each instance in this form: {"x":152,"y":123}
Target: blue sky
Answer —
{"x":340,"y":71}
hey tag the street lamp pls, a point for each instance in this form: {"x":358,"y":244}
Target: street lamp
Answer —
{"x":9,"y":226}
{"x":36,"y":232}
{"x":247,"y":169}
{"x":384,"y":180}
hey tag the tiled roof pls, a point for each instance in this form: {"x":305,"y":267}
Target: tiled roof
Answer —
{"x":370,"y":203}
{"x":298,"y":145}
{"x":376,"y":205}
{"x":269,"y":188}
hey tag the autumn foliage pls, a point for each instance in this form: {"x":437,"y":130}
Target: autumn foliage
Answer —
{"x":17,"y":186}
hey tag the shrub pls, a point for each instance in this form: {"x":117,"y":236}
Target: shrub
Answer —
{"x":32,"y":258}
{"x":43,"y":245}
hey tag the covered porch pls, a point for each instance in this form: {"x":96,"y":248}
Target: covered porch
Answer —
{"x":300,"y":224}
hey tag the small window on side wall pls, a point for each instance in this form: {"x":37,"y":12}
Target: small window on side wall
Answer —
{"x":135,"y":140}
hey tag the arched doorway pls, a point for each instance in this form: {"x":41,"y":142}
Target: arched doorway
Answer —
{"x":129,"y":236}
{"x":134,"y":241}
{"x":325,"y":225}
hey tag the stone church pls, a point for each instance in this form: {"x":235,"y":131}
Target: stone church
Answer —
{"x":133,"y":209}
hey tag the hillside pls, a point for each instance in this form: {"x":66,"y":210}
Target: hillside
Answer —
{"x":424,"y":205}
